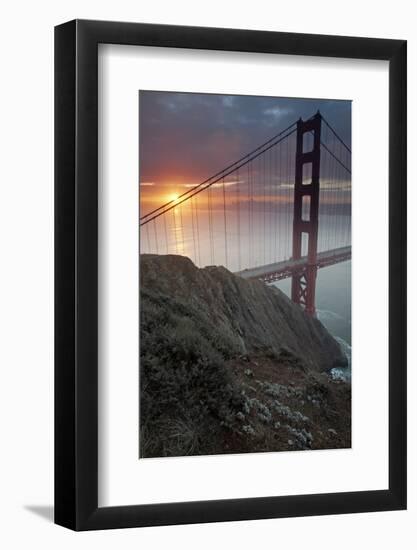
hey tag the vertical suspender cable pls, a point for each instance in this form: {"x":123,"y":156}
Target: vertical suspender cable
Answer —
{"x":156,"y":236}
{"x":238,"y":219}
{"x":225,"y":223}
{"x":166,"y":234}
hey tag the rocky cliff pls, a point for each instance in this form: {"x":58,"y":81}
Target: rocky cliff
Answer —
{"x":226,"y":363}
{"x":249,"y":314}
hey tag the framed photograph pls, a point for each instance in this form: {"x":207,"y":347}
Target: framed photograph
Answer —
{"x":230,"y":245}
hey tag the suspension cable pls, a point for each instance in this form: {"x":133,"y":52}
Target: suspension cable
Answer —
{"x":221,"y":173}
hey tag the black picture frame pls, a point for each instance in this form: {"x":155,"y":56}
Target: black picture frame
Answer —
{"x":76,"y":272}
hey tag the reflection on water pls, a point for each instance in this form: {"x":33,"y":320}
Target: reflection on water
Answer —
{"x":234,"y":238}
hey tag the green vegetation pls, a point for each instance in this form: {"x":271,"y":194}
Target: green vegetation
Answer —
{"x":188,"y":395}
{"x":232,"y":366}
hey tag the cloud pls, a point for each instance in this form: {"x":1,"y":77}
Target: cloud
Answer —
{"x":217,"y":184}
{"x":227,"y":183}
{"x":147,"y":183}
{"x":332,"y":185}
{"x":189,"y":185}
{"x":186,"y":137}
{"x":228,"y":101}
{"x":277,"y":112}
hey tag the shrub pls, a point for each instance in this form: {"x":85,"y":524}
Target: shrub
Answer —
{"x":183,"y":382}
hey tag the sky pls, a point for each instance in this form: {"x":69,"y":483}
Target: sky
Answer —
{"x":185,"y":138}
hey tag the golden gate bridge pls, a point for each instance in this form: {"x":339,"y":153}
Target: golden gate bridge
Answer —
{"x":282,"y":210}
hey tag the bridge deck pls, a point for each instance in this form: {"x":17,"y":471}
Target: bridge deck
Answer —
{"x":282,"y":270}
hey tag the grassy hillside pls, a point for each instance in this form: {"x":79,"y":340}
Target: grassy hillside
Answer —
{"x":229,"y":365}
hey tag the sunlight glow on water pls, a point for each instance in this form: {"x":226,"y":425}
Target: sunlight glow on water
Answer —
{"x":235,"y":243}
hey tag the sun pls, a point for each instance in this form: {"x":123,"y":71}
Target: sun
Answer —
{"x":174,"y":197}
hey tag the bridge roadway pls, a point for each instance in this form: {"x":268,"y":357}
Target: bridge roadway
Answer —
{"x":282,"y":270}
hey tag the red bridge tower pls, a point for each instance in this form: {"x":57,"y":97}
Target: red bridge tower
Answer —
{"x":306,"y":213}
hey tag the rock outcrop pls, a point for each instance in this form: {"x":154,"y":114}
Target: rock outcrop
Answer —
{"x":251,"y":315}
